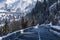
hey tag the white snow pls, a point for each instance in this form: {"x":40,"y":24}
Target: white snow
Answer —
{"x":22,"y":31}
{"x":56,"y":27}
{"x":0,"y":38}
{"x":2,"y":4}
{"x":17,"y":19}
{"x":41,"y":1}
{"x":3,"y":10}
{"x":55,"y":32}
{"x":36,"y":26}
{"x":1,"y":25}
{"x":25,"y":6}
{"x":22,"y":4}
{"x":10,"y":1}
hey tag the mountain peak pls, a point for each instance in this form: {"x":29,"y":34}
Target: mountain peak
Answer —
{"x":23,"y":5}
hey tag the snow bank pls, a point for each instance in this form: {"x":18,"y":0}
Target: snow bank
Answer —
{"x":0,"y":38}
{"x":56,"y":27}
{"x":55,"y":32}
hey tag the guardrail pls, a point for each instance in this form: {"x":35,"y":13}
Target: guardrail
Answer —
{"x":12,"y":35}
{"x":55,"y":30}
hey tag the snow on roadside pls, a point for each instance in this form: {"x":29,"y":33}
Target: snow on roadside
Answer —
{"x":56,"y":27}
{"x":55,"y":32}
{"x":0,"y":38}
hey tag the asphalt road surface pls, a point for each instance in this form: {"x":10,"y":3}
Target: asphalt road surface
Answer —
{"x":41,"y":33}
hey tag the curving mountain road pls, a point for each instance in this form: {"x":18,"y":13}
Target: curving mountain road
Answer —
{"x":44,"y":34}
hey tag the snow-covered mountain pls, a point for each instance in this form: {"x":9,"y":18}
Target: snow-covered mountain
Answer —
{"x":23,"y":5}
{"x":2,"y":4}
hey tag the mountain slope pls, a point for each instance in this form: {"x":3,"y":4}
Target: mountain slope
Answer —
{"x":23,"y":5}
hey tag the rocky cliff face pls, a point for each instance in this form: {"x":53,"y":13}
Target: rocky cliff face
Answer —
{"x":38,"y":14}
{"x":41,"y":13}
